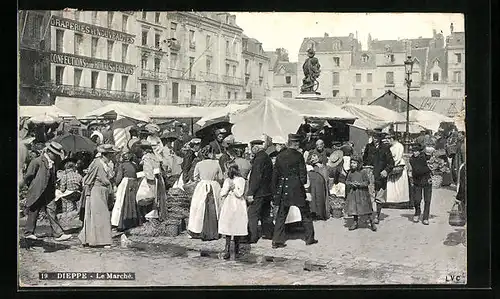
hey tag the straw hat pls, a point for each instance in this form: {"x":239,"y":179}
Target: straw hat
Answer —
{"x":335,"y":158}
{"x":55,"y":148}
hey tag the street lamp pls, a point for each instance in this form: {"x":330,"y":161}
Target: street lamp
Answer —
{"x":408,"y":71}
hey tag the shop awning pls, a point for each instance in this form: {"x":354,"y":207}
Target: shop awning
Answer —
{"x":428,"y":119}
{"x":54,"y":111}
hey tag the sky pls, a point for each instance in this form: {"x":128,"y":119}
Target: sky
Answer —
{"x":287,"y":30}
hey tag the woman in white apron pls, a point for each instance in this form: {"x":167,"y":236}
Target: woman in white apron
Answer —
{"x":397,"y":181}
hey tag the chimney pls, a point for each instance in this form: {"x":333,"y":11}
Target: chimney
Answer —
{"x":451,"y":28}
{"x":369,"y":41}
{"x":326,"y":35}
{"x":351,"y":36}
{"x":434,"y":33}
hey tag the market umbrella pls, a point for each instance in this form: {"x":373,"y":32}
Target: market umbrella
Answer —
{"x":44,"y":119}
{"x":75,"y":143}
{"x":208,"y":131}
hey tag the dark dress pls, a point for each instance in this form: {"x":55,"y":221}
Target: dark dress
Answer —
{"x":358,"y":198}
{"x":318,"y":179}
{"x":129,"y":216}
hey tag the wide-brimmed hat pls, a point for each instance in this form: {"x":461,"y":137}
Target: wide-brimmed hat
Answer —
{"x":335,"y":158}
{"x":152,"y":128}
{"x":228,"y":141}
{"x":107,"y":148}
{"x":170,"y":136}
{"x":55,"y":148}
{"x":347,"y":149}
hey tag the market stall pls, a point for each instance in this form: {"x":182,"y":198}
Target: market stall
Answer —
{"x":428,"y":119}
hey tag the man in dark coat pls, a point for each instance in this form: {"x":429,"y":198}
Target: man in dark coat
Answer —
{"x":382,"y":166}
{"x":187,"y":162}
{"x":260,"y":193}
{"x":289,"y":178}
{"x":41,"y":179}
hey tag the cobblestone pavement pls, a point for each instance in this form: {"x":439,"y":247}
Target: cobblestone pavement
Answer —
{"x":400,"y":252}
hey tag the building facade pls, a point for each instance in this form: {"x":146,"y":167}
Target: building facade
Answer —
{"x":255,"y":69}
{"x":282,"y":74}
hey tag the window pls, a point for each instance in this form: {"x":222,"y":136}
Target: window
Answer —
{"x":456,"y":93}
{"x":157,"y":40}
{"x":110,"y":19}
{"x":191,"y":63}
{"x":59,"y":75}
{"x":389,"y":78}
{"x":173,"y":30}
{"x":124,"y":23}
{"x":435,"y":77}
{"x":336,"y":61}
{"x":287,"y":94}
{"x":260,"y":81}
{"x":389,"y":58}
{"x":124,"y":83}
{"x":369,"y":77}
{"x":109,"y":81}
{"x":208,"y":42}
{"x":144,"y":38}
{"x":93,"y":79}
{"x":193,"y":92}
{"x":59,"y":40}
{"x":124,"y":53}
{"x":358,"y":78}
{"x":435,"y":93}
{"x":369,"y":93}
{"x":144,"y":15}
{"x":457,"y":77}
{"x":227,"y":47}
{"x":246,"y":80}
{"x":93,"y":48}
{"x":235,"y":95}
{"x":144,"y":62}
{"x":260,"y":70}
{"x":248,"y":95}
{"x":173,"y":60}
{"x":78,"y":43}
{"x":157,"y":91}
{"x":157,"y":64}
{"x":37,"y":30}
{"x":357,"y":93}
{"x":458,"y":57}
{"x":78,"y":77}
{"x":247,"y":71}
{"x":335,"y":93}
{"x":227,"y":69}
{"x":234,"y":70}
{"x":157,"y":17}
{"x":209,"y":65}
{"x":364,"y":58}
{"x":110,"y":49}
{"x":228,"y":95}
{"x":144,"y":90}
{"x":336,"y":78}
{"x":235,"y":46}
{"x":191,"y":39}
{"x":175,"y":92}
{"x":336,"y":45}
{"x":288,"y":79}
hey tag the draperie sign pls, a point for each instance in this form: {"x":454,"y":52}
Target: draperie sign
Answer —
{"x":97,"y":64}
{"x":92,"y":30}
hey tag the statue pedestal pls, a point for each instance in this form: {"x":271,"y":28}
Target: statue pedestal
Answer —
{"x":310,"y":96}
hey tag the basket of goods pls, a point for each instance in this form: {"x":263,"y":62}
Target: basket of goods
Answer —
{"x":456,"y":217}
{"x":172,"y":227}
{"x":396,"y":172}
{"x":439,"y":168}
{"x":337,"y":206}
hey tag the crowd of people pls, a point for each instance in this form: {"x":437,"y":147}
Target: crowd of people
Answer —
{"x":235,"y":185}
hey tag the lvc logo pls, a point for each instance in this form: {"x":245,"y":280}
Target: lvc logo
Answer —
{"x":455,"y":278}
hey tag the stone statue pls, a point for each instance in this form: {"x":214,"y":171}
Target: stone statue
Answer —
{"x":311,"y":70}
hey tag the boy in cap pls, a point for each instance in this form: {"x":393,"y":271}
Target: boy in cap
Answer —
{"x":289,"y":178}
{"x":420,"y":177}
{"x":41,"y":179}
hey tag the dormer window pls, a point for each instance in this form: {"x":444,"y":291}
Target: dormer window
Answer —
{"x":336,"y":45}
{"x":364,"y":58}
{"x":388,"y":48}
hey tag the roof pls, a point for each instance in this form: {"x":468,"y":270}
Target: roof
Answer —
{"x":358,"y":60}
{"x":440,"y":55}
{"x":428,"y":119}
{"x":444,"y":106}
{"x":456,"y":39}
{"x":325,"y":44}
{"x":393,"y":101}
{"x":373,"y":116}
{"x":380,"y":45}
{"x":30,"y":111}
{"x":273,"y":58}
{"x":253,"y":46}
{"x":420,"y":54}
{"x":290,"y":67}
{"x":420,"y":42}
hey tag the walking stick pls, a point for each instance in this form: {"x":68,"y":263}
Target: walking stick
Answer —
{"x":232,"y":249}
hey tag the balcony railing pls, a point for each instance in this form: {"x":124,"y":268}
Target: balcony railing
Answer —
{"x":209,"y":77}
{"x":175,"y":73}
{"x":153,"y":75}
{"x":232,"y":80}
{"x":93,"y":93}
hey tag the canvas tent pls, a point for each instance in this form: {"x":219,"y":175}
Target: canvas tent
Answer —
{"x":460,"y":120}
{"x":118,"y":111}
{"x":428,"y":119}
{"x":54,"y":111}
{"x":278,"y":118}
{"x":221,"y":114}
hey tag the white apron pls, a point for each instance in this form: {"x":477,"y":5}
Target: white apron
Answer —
{"x":233,"y":220}
{"x":197,"y":209}
{"x":117,"y":208}
{"x":398,"y":191}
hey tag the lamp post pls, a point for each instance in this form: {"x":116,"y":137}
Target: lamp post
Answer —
{"x":408,"y":71}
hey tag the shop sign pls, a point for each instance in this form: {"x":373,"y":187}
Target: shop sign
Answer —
{"x":92,"y":63}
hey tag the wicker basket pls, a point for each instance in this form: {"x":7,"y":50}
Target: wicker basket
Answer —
{"x":172,"y":230}
{"x":437,"y":181}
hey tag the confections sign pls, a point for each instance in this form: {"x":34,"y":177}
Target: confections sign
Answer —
{"x":92,"y":63}
{"x":91,"y":29}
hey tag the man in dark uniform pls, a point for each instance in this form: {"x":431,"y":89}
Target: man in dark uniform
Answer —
{"x":260,"y":193}
{"x":382,"y":166}
{"x":289,"y":178}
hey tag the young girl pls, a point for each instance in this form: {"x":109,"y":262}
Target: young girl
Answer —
{"x":233,"y":220}
{"x":357,"y":194}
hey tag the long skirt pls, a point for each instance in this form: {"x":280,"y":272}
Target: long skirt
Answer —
{"x":96,"y":229}
{"x":210,"y":230}
{"x":125,"y":213}
{"x":233,"y":219}
{"x":398,"y":188}
{"x":358,"y":202}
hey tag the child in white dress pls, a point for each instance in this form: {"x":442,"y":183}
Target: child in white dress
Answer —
{"x":233,"y":220}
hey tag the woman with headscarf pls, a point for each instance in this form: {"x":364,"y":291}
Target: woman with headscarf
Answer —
{"x":97,"y":188}
{"x":318,"y":188}
{"x":397,"y":180}
{"x":125,"y":214}
{"x":205,"y":203}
